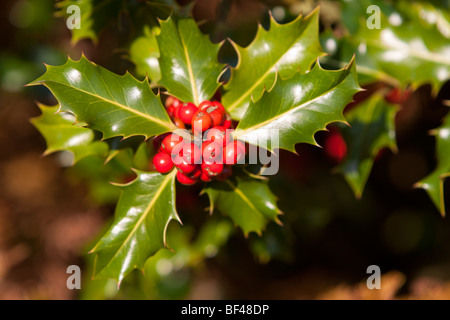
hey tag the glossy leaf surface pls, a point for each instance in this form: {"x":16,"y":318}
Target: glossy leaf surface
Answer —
{"x":284,"y":49}
{"x":61,"y":134}
{"x":188,"y":61}
{"x":112,"y":104}
{"x":402,"y":49}
{"x":372,"y":128}
{"x":434,"y":182}
{"x":144,"y":52}
{"x":296,"y":108}
{"x":145,"y":208}
{"x":247,"y":201}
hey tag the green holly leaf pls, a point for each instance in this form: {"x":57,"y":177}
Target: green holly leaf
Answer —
{"x":144,"y":52}
{"x":145,"y":208}
{"x":112,"y":104}
{"x":372,"y":128}
{"x":189,"y":67}
{"x":434,"y":182}
{"x":284,"y":50}
{"x":61,"y":134}
{"x":247,"y":201}
{"x":296,"y":108}
{"x":405,"y":51}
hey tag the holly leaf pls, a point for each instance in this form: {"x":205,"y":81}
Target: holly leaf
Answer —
{"x":145,"y":208}
{"x":406,"y":51}
{"x":61,"y":134}
{"x":284,"y":49}
{"x":296,"y":108}
{"x":144,"y":52}
{"x":112,"y":104}
{"x":372,"y":128}
{"x":247,"y":201}
{"x":188,"y":61}
{"x":434,"y":182}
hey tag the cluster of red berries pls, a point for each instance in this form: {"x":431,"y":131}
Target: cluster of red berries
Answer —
{"x":211,"y":152}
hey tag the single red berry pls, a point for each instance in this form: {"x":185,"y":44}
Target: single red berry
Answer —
{"x":205,"y":178}
{"x":218,"y":104}
{"x":335,"y":146}
{"x":234,"y":152}
{"x":162,"y":162}
{"x":397,"y":96}
{"x":201,"y":121}
{"x":182,"y":165}
{"x":179,"y":123}
{"x":184,"y":179}
{"x":170,"y":101}
{"x":226,"y":173}
{"x":172,"y":144}
{"x":227,"y":122}
{"x":176,"y":105}
{"x":173,"y":105}
{"x":217,"y":115}
{"x":212,"y":169}
{"x":170,"y":111}
{"x":205,"y":104}
{"x":212,"y":151}
{"x":191,"y":153}
{"x":186,"y":112}
{"x":219,"y":134}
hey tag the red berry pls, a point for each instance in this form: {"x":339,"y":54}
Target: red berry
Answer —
{"x":217,"y":115}
{"x":184,"y":179}
{"x":173,"y":105}
{"x":227,"y":123}
{"x":212,"y":169}
{"x":186,"y":112}
{"x":212,"y":151}
{"x":397,"y":96}
{"x":219,"y":134}
{"x":179,"y":123}
{"x":162,"y":162}
{"x":226,"y":173}
{"x":172,"y":144}
{"x":176,"y":105}
{"x":201,"y":121}
{"x":335,"y":146}
{"x":191,"y":153}
{"x":170,"y":101}
{"x":170,"y":111}
{"x":218,"y":104}
{"x":204,"y":104}
{"x":205,"y":178}
{"x":234,"y":152}
{"x":182,"y":165}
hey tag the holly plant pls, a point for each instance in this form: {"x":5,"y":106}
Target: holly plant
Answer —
{"x":201,"y":128}
{"x":195,"y":120}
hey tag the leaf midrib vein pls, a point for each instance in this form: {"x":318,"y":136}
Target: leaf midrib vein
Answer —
{"x":269,"y":70}
{"x":246,"y":200}
{"x":262,"y":124}
{"x":118,"y":104}
{"x":143,"y":216}
{"x":191,"y":72}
